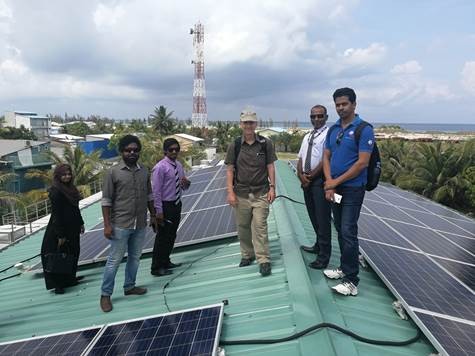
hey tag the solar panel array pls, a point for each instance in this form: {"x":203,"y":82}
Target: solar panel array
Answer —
{"x":72,"y":343}
{"x":189,"y":332}
{"x":194,"y":332}
{"x":425,"y":253}
{"x":206,"y":216}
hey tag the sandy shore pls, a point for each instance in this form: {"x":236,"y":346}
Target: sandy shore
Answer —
{"x":427,"y":137}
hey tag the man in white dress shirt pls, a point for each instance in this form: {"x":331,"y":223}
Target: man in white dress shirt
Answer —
{"x":310,"y":173}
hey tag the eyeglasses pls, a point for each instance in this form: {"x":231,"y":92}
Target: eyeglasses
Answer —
{"x":130,"y":150}
{"x":319,"y":116}
{"x":339,"y":137}
{"x":173,"y":149}
{"x":249,"y":122}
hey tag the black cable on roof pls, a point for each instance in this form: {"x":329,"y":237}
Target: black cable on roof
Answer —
{"x":30,"y":258}
{"x":292,"y":200}
{"x":320,"y":326}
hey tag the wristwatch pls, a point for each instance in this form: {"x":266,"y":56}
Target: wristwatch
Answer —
{"x":271,"y":185}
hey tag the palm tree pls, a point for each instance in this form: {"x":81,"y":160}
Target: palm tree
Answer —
{"x":393,"y":153}
{"x":436,"y":171}
{"x":7,"y":197}
{"x":162,"y":121}
{"x":86,"y":168}
{"x":7,"y":200}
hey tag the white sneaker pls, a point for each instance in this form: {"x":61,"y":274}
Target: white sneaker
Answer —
{"x":334,"y":273}
{"x":346,"y":288}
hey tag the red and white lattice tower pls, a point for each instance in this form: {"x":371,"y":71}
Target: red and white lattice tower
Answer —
{"x":199,"y":117}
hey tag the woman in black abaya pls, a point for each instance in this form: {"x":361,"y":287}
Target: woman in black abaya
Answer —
{"x":64,"y":227}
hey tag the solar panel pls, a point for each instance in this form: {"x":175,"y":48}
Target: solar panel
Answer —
{"x":195,"y":188}
{"x":466,"y":225}
{"x":213,"y":198}
{"x":423,"y":284}
{"x":425,"y":254}
{"x":93,"y":243}
{"x":218,"y":183}
{"x":391,"y":212}
{"x":437,"y":223}
{"x":371,"y":227}
{"x":71,"y":343}
{"x":452,"y":335}
{"x":464,"y":272}
{"x":432,"y":242}
{"x":190,"y":332}
{"x":205,"y":177}
{"x":188,"y":202}
{"x":206,"y":225}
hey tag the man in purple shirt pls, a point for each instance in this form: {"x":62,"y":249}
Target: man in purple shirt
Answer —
{"x":168,"y":182}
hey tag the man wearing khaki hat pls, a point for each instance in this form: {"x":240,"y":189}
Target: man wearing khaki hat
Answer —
{"x":251,"y":188}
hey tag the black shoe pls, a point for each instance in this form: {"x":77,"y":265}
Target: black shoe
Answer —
{"x":59,"y":290}
{"x":245,"y":262}
{"x":173,"y":265}
{"x":161,"y":272}
{"x":310,"y":249}
{"x":79,"y":278}
{"x":318,"y":265}
{"x":265,"y":269}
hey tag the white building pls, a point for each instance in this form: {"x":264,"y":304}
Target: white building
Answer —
{"x":40,"y":125}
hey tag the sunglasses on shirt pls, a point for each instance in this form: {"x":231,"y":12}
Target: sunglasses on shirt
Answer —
{"x":317,"y":116}
{"x":339,"y":137}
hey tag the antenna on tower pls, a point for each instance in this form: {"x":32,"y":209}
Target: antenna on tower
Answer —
{"x":199,"y":116}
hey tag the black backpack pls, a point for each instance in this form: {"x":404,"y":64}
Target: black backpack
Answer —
{"x":374,"y":166}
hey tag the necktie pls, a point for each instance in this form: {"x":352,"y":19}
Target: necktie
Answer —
{"x":307,"y":167}
{"x":177,"y":186}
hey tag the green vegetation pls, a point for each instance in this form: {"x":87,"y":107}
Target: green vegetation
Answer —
{"x":390,"y":128}
{"x":441,"y":171}
{"x":12,"y":133}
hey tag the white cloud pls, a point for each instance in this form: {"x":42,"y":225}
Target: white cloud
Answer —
{"x":5,"y":11}
{"x":468,"y":77}
{"x":11,"y":68}
{"x":105,"y":16}
{"x":365,"y":56}
{"x":410,"y":67}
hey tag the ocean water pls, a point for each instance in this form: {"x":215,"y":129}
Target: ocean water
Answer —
{"x":413,"y":127}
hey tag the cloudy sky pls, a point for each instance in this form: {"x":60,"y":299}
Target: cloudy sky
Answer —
{"x":409,"y":61}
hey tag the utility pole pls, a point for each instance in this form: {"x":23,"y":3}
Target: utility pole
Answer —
{"x":199,"y":116}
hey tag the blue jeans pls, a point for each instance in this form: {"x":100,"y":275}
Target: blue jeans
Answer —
{"x":345,"y":216}
{"x":130,"y":240}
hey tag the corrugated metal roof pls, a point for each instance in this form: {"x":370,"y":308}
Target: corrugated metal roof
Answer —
{"x":293,"y":298}
{"x":12,"y":146}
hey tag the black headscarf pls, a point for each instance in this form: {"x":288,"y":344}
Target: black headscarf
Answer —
{"x":69,"y":190}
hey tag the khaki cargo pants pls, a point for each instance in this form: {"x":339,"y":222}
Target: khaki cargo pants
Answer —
{"x":251,"y":218}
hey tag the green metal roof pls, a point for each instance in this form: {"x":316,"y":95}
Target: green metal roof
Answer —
{"x":293,"y":298}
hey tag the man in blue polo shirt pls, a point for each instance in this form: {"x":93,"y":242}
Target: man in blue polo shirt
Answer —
{"x":345,"y":163}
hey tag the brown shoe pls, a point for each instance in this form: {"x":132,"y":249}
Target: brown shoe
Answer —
{"x":135,"y":291}
{"x":106,"y":304}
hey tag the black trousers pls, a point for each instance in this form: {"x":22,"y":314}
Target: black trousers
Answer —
{"x":166,"y":235}
{"x":319,"y":211}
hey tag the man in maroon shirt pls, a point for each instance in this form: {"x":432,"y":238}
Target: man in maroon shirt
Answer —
{"x":168,"y":182}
